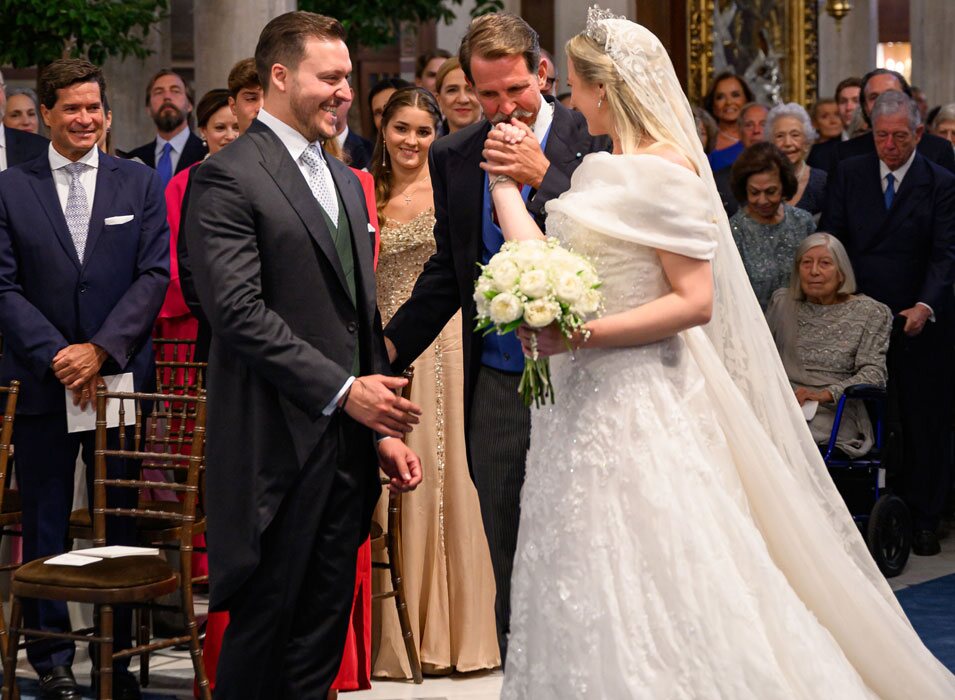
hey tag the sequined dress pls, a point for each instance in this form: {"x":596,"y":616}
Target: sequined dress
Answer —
{"x":448,"y":578}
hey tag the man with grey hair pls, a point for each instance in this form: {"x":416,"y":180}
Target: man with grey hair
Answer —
{"x":16,"y":146}
{"x":894,"y":210}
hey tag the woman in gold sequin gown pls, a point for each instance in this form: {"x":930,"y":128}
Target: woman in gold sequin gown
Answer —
{"x":448,"y":578}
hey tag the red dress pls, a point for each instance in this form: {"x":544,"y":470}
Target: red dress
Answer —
{"x":355,"y":670}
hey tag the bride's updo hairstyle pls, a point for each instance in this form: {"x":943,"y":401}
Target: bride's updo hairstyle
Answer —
{"x":630,"y":120}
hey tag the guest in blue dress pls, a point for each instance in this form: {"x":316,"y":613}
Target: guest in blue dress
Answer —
{"x":725,"y":100}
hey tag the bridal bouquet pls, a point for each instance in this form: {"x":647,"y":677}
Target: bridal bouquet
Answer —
{"x":536,"y":283}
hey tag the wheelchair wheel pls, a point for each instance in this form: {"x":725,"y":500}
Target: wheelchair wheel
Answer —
{"x":889,"y":534}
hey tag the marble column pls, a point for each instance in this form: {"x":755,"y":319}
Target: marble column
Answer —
{"x":126,"y":88}
{"x":227,"y":31}
{"x":848,"y":50}
{"x":931,"y":24}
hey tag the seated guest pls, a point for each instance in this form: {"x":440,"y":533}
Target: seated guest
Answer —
{"x":725,"y":100}
{"x":22,"y":110}
{"x":245,"y":93}
{"x":427,"y":66}
{"x":456,"y":97}
{"x":825,"y":119}
{"x":752,"y":125}
{"x":788,"y":127}
{"x":766,"y":229}
{"x":705,"y":127}
{"x":77,"y":302}
{"x":829,"y":337}
{"x":379,"y":95}
{"x":944,"y":123}
{"x":354,"y":148}
{"x":17,"y":146}
{"x":175,"y":147}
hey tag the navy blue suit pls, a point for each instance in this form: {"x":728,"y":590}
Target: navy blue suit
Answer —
{"x":902,"y":256}
{"x":49,"y":300}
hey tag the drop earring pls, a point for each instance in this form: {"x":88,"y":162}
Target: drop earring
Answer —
{"x":600,"y":101}
{"x":384,"y":152}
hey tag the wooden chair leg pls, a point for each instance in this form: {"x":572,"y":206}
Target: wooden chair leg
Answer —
{"x":395,"y":567}
{"x":105,"y":630}
{"x":10,"y":690}
{"x":144,"y":630}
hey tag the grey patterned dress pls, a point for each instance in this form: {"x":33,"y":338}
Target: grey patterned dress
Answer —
{"x":769,"y":250}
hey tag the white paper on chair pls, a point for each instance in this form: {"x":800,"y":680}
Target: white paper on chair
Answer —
{"x":71,"y":559}
{"x":116,"y":551}
{"x":809,"y":409}
{"x":77,"y":420}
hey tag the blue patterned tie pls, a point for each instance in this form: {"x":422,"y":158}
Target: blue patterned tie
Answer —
{"x":889,"y":190}
{"x":318,"y":181}
{"x":164,"y":166}
{"x":77,"y":209}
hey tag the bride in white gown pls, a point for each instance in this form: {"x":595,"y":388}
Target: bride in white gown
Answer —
{"x":680,"y":536}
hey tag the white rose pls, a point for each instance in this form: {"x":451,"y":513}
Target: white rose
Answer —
{"x":504,"y":308}
{"x":504,"y":273}
{"x":588,"y":303}
{"x":482,"y":303}
{"x":540,"y":313}
{"x":568,"y":287}
{"x":534,"y":283}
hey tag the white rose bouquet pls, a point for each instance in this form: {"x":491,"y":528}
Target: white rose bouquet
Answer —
{"x":536,"y":283}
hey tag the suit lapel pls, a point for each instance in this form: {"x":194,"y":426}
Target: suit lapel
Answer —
{"x":106,"y":187}
{"x":288,"y":178}
{"x":906,"y":198}
{"x":466,"y":192}
{"x":45,"y":190}
{"x":349,"y":189}
{"x":149,"y":156}
{"x":562,"y":141}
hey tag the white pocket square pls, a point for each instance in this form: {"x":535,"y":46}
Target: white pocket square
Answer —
{"x":116,"y":220}
{"x":371,"y":229}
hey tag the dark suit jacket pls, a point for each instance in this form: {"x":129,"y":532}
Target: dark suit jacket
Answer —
{"x":725,"y":187}
{"x":934,"y":148}
{"x":904,"y":255}
{"x":447,"y":282}
{"x":284,"y":334}
{"x":22,"y":146}
{"x":48,"y":300}
{"x":359,"y":150}
{"x":192,"y":152}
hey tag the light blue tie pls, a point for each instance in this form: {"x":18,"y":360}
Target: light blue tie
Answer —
{"x":889,"y":190}
{"x":164,"y":166}
{"x":318,"y":181}
{"x":77,"y":209}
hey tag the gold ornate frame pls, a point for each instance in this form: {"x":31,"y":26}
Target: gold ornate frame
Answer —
{"x":798,"y":36}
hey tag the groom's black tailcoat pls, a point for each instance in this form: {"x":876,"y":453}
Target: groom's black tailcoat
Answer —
{"x":447,"y":281}
{"x":290,"y":490}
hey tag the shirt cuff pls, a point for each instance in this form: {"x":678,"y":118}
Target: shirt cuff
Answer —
{"x":382,"y":438}
{"x":931,"y":311}
{"x":333,"y":404}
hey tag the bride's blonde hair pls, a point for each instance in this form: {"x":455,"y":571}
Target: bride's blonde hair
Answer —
{"x":630,"y":120}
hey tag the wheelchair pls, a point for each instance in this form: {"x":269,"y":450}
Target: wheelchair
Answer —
{"x":865,"y":482}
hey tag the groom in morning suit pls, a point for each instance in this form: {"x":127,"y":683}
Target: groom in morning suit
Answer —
{"x":282,"y":260}
{"x":500,"y":55}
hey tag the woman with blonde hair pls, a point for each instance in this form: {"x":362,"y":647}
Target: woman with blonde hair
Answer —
{"x":680,"y":536}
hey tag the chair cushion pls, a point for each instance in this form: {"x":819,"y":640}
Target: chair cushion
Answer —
{"x":123,"y":572}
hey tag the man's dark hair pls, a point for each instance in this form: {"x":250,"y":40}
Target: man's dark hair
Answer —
{"x":159,"y":74}
{"x":763,"y":157}
{"x":869,"y":76}
{"x":283,"y":40}
{"x":386,"y":84}
{"x":424,"y":59}
{"x":846,"y":83}
{"x":499,"y":35}
{"x":65,"y":72}
{"x":243,"y":76}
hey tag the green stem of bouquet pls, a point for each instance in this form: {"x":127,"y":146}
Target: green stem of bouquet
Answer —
{"x":535,"y":386}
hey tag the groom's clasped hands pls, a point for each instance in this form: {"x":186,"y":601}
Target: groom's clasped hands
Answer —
{"x":511,"y":149}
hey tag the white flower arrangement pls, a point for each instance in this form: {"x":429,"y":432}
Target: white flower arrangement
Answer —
{"x":536,"y":283}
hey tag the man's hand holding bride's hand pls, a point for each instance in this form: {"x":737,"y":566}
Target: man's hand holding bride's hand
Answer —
{"x":372,"y":401}
{"x":550,"y":341}
{"x":400,"y":464}
{"x":512,"y":150}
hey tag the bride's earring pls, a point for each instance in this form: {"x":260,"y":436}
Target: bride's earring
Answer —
{"x":600,"y":102}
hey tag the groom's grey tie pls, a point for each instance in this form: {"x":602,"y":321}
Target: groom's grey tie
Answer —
{"x":77,"y":208}
{"x":319,"y":180}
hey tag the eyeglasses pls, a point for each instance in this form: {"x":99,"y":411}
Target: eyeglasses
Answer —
{"x":549,"y":82}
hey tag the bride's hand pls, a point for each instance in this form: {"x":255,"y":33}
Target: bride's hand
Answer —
{"x":550,"y":341}
{"x":511,"y":133}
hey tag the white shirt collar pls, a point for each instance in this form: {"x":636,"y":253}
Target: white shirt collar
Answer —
{"x":3,"y":136}
{"x":57,"y":160}
{"x":900,"y":172}
{"x":342,"y":137}
{"x":178,"y":141}
{"x":290,"y":137}
{"x":545,"y":116}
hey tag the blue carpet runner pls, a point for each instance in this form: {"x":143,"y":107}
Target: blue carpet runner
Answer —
{"x":931,"y":608}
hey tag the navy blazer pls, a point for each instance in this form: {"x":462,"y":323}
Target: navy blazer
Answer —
{"x":49,"y":300}
{"x":22,"y":146}
{"x":904,"y":255}
{"x":829,"y":154}
{"x":194,"y":151}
